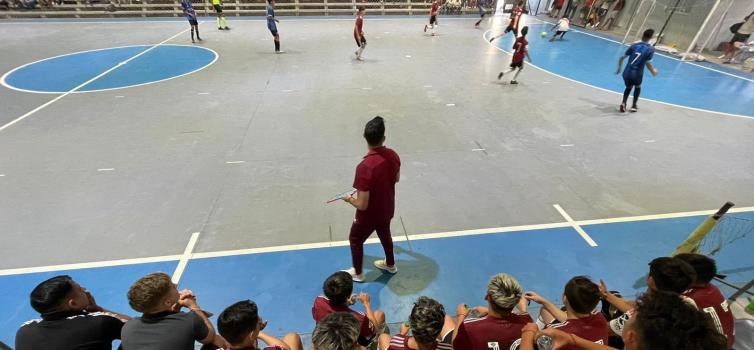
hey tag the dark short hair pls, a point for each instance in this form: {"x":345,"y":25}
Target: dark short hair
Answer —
{"x":671,"y":274}
{"x":524,"y":30}
{"x":49,"y":295}
{"x":427,"y":319}
{"x":704,"y":266}
{"x":237,"y":321}
{"x":665,"y":321}
{"x":648,"y":34}
{"x":374,"y":131}
{"x":337,"y":331}
{"x":362,"y":9}
{"x":582,"y":294}
{"x":338,"y":287}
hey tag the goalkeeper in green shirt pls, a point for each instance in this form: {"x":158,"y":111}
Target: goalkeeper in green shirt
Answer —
{"x":222,"y":24}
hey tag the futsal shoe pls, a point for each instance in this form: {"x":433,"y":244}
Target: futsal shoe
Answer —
{"x":279,"y":51}
{"x":634,"y":109}
{"x":513,"y":82}
{"x":382,"y":265}
{"x":356,"y":277}
{"x":622,"y":108}
{"x":425,"y":28}
{"x":500,"y":76}
{"x":227,"y":28}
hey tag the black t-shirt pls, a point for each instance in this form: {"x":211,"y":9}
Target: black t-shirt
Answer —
{"x":164,"y":331}
{"x":70,"y":330}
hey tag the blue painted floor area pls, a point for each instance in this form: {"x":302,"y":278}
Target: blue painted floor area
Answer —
{"x":63,"y":73}
{"x":108,"y":285}
{"x":593,"y":61}
{"x":452,"y":270}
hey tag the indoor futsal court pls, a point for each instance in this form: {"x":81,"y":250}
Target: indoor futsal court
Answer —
{"x":126,"y":150}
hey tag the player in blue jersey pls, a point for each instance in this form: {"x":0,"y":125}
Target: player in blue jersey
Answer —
{"x":480,"y":4}
{"x":188,"y":11}
{"x":639,"y":55}
{"x":272,"y":24}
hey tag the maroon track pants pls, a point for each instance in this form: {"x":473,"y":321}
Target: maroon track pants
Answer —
{"x":359,"y":234}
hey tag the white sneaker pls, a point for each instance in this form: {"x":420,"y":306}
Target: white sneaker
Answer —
{"x":382,"y":265}
{"x":356,"y":278}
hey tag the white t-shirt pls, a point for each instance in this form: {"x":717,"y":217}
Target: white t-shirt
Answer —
{"x":563,"y":25}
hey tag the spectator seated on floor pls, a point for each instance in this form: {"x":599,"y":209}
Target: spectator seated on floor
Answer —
{"x":71,"y":319}
{"x":27,"y":4}
{"x":580,"y":298}
{"x":707,"y":296}
{"x":241,"y":326}
{"x":430,"y":329}
{"x":163,"y":325}
{"x":499,"y":326}
{"x":338,"y":288}
{"x":661,"y":321}
{"x":337,"y":331}
{"x":665,"y":274}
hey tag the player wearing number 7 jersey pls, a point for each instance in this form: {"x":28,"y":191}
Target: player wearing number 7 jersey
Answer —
{"x":639,"y":55}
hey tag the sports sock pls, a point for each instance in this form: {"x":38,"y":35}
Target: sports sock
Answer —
{"x":192,"y":33}
{"x":219,"y":23}
{"x":626,"y":93}
{"x":637,"y":91}
{"x":224,"y":21}
{"x":277,"y":45}
{"x":197,"y":33}
{"x":517,"y":73}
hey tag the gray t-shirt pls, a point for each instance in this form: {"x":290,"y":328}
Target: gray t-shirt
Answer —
{"x":164,"y":331}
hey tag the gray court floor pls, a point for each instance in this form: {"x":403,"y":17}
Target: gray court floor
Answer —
{"x":295,"y":120}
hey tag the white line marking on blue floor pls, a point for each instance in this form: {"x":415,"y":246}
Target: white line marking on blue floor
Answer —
{"x":567,"y":145}
{"x":106,"y":169}
{"x":408,"y":56}
{"x":649,"y":141}
{"x":413,"y":237}
{"x":35,"y":110}
{"x":203,"y":93}
{"x":366,"y":88}
{"x":187,"y":253}
{"x":235,"y":162}
{"x":618,"y":93}
{"x":2,"y":175}
{"x":119,"y":96}
{"x":575,"y":226}
{"x":450,"y":105}
{"x":478,"y":149}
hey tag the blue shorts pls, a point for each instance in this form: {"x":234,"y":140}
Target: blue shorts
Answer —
{"x":632,"y":77}
{"x":272,"y":27}
{"x":192,"y":21}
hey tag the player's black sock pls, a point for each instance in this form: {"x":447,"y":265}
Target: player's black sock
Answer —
{"x":277,"y":45}
{"x":197,"y":33}
{"x":637,"y":91}
{"x":626,"y":93}
{"x":192,"y":34}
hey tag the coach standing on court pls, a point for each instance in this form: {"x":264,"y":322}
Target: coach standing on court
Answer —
{"x":375,"y":181}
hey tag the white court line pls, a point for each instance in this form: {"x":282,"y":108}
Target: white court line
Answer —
{"x":649,"y":141}
{"x":575,"y":226}
{"x":43,"y":106}
{"x":4,"y":83}
{"x":450,"y":105}
{"x":567,"y":145}
{"x":619,"y":93}
{"x":106,"y":169}
{"x":235,"y":162}
{"x":203,"y":93}
{"x":185,"y":257}
{"x":658,"y":53}
{"x":413,"y":237}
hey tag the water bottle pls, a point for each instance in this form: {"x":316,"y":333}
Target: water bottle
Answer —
{"x":545,"y":342}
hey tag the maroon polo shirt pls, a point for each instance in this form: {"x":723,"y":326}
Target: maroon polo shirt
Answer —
{"x":377,"y":174}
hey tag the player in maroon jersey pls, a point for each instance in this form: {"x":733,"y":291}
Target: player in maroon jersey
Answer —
{"x":707,"y":296}
{"x":358,"y":34}
{"x":433,"y":16}
{"x":513,"y":25}
{"x":430,"y":327}
{"x":338,"y":288}
{"x":580,"y":297}
{"x":661,"y":321}
{"x":500,"y":327}
{"x":520,"y":50}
